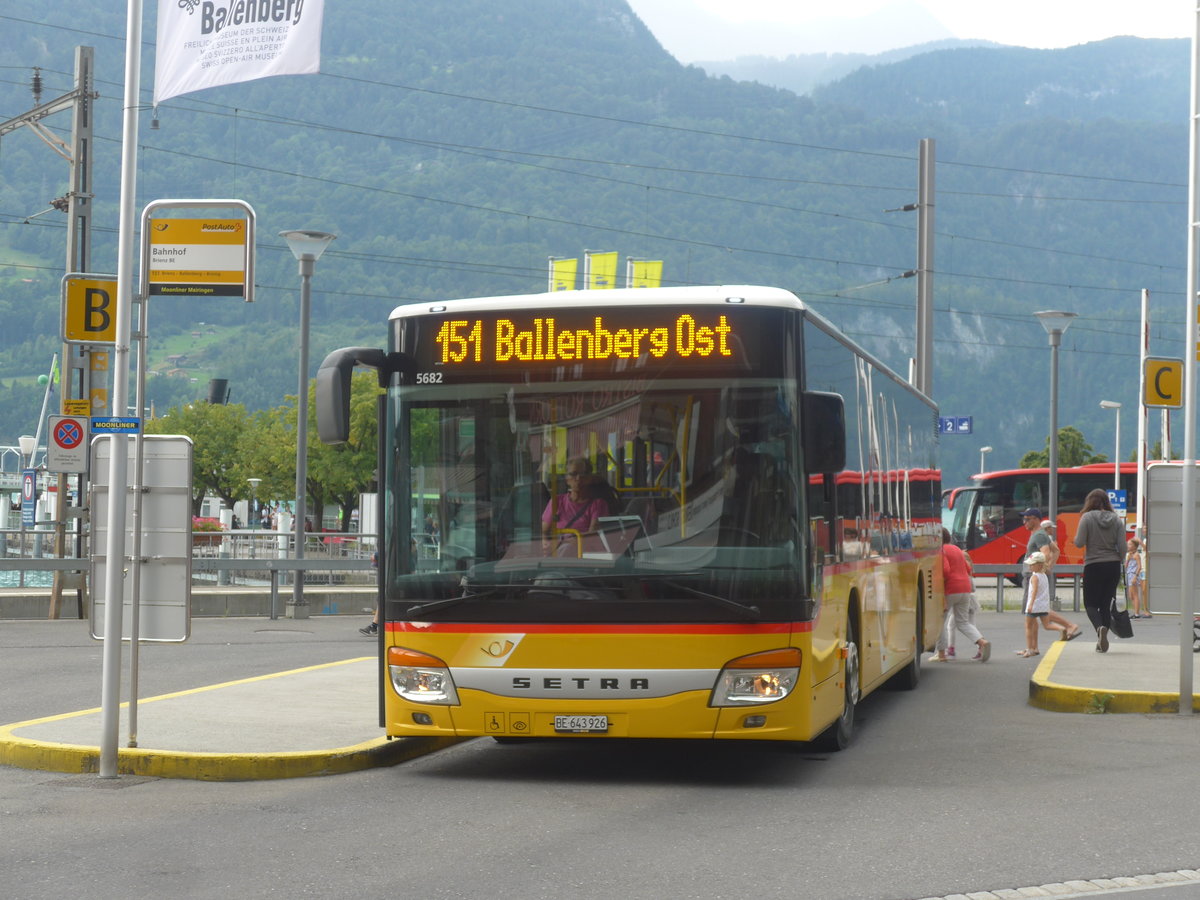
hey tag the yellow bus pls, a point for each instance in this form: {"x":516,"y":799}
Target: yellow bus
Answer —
{"x":760,"y":546}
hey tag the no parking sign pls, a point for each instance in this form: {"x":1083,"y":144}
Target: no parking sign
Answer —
{"x":67,"y":450}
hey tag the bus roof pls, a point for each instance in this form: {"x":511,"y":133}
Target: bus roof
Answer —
{"x":754,"y":294}
{"x":1089,"y":469}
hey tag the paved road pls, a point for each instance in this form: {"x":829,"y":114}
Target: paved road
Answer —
{"x":955,"y":788}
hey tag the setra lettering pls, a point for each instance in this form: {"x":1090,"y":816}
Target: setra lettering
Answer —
{"x":582,"y":683}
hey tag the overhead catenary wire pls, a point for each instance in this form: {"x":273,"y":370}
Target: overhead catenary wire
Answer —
{"x":219,"y":109}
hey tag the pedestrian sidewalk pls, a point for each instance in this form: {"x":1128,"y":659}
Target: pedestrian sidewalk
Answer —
{"x":1132,"y":677}
{"x":319,"y":720}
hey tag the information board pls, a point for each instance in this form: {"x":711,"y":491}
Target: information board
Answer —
{"x":165,"y":561}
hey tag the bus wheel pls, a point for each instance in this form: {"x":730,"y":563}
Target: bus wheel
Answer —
{"x":909,"y":677}
{"x":837,"y":736}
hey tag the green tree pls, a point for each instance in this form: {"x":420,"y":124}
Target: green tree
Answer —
{"x":1156,"y":452}
{"x":267,"y":450}
{"x":1073,"y":450}
{"x":338,"y":473}
{"x":216,"y":431}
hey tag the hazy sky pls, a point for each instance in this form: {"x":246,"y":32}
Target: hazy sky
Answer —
{"x":723,"y":29}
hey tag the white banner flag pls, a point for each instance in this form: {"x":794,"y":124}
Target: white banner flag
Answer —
{"x":205,"y":43}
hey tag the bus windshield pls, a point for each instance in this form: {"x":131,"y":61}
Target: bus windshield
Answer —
{"x":636,"y":499}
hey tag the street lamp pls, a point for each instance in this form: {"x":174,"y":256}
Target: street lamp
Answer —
{"x":307,"y":247}
{"x":254,"y":483}
{"x":1055,"y":322}
{"x":983,"y":452}
{"x":28,"y":445}
{"x":1113,"y":404}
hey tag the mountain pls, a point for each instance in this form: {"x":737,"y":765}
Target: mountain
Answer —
{"x":690,"y":32}
{"x":802,"y":73}
{"x":1123,"y":79}
{"x":454,"y":146}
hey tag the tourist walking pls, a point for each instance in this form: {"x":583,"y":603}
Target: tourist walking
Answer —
{"x":1101,"y":534}
{"x":960,"y":593}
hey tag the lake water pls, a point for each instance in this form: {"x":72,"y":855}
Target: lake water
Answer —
{"x":12,"y":579}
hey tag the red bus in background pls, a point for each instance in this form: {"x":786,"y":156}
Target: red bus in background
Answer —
{"x":985,"y":517}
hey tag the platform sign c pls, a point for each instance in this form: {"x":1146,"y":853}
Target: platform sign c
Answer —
{"x":1164,"y":383}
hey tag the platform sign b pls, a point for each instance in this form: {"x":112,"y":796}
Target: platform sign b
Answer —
{"x":89,"y":309}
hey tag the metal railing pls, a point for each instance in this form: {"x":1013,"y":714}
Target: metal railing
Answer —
{"x":245,"y":557}
{"x":1061,"y":573}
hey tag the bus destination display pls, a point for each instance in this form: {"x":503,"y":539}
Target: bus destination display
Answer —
{"x":548,"y":339}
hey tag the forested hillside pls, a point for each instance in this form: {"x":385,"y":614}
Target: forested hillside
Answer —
{"x":454,"y":146}
{"x":804,"y":72}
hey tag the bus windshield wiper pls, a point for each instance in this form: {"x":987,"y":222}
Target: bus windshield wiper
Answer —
{"x":435,"y":605}
{"x":751,"y":612}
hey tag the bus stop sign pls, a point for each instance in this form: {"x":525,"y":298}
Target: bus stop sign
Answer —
{"x":1164,"y":383}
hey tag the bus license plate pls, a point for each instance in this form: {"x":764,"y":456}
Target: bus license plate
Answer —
{"x":581,"y":724}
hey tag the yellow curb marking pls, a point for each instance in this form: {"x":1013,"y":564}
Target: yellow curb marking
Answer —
{"x":81,"y":758}
{"x":1058,"y":697}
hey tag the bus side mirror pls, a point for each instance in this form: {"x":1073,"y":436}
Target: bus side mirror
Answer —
{"x":333,"y":390}
{"x":824,"y":432}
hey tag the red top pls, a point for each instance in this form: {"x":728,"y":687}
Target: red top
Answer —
{"x":956,"y":570}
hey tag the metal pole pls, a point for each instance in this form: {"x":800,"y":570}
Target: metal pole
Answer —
{"x":1188,"y":563}
{"x":925,"y":194}
{"x":1140,"y":513}
{"x":114,"y":593}
{"x":1117,"y":453}
{"x":79,"y":242}
{"x":299,"y":610}
{"x":139,"y":481}
{"x":1052,"y":502}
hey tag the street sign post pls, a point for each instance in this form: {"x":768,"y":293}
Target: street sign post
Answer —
{"x":956,"y":424}
{"x":88,"y":309}
{"x":67,"y":449}
{"x":116,"y":424}
{"x":29,"y":497}
{"x":1119,"y":498}
{"x":1164,"y":383}
{"x":199,"y":257}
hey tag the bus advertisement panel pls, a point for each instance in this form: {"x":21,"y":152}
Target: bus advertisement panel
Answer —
{"x":665,"y":513}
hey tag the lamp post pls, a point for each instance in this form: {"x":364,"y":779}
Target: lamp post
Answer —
{"x":254,"y":483}
{"x":28,"y":445}
{"x":1056,"y":323}
{"x":1114,"y":405}
{"x":983,"y":452}
{"x":307,"y":247}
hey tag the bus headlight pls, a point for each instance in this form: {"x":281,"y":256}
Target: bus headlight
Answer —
{"x":757,"y":678}
{"x":420,"y":677}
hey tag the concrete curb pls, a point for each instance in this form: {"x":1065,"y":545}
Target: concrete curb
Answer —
{"x":82,"y":760}
{"x":235,"y":723}
{"x":1045,"y":693}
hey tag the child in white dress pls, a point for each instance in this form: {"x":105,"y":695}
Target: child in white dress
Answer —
{"x":1037,"y":604}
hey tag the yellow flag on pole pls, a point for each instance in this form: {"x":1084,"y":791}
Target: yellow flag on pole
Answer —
{"x":562,"y":274}
{"x":600,"y":270}
{"x":645,"y":273}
